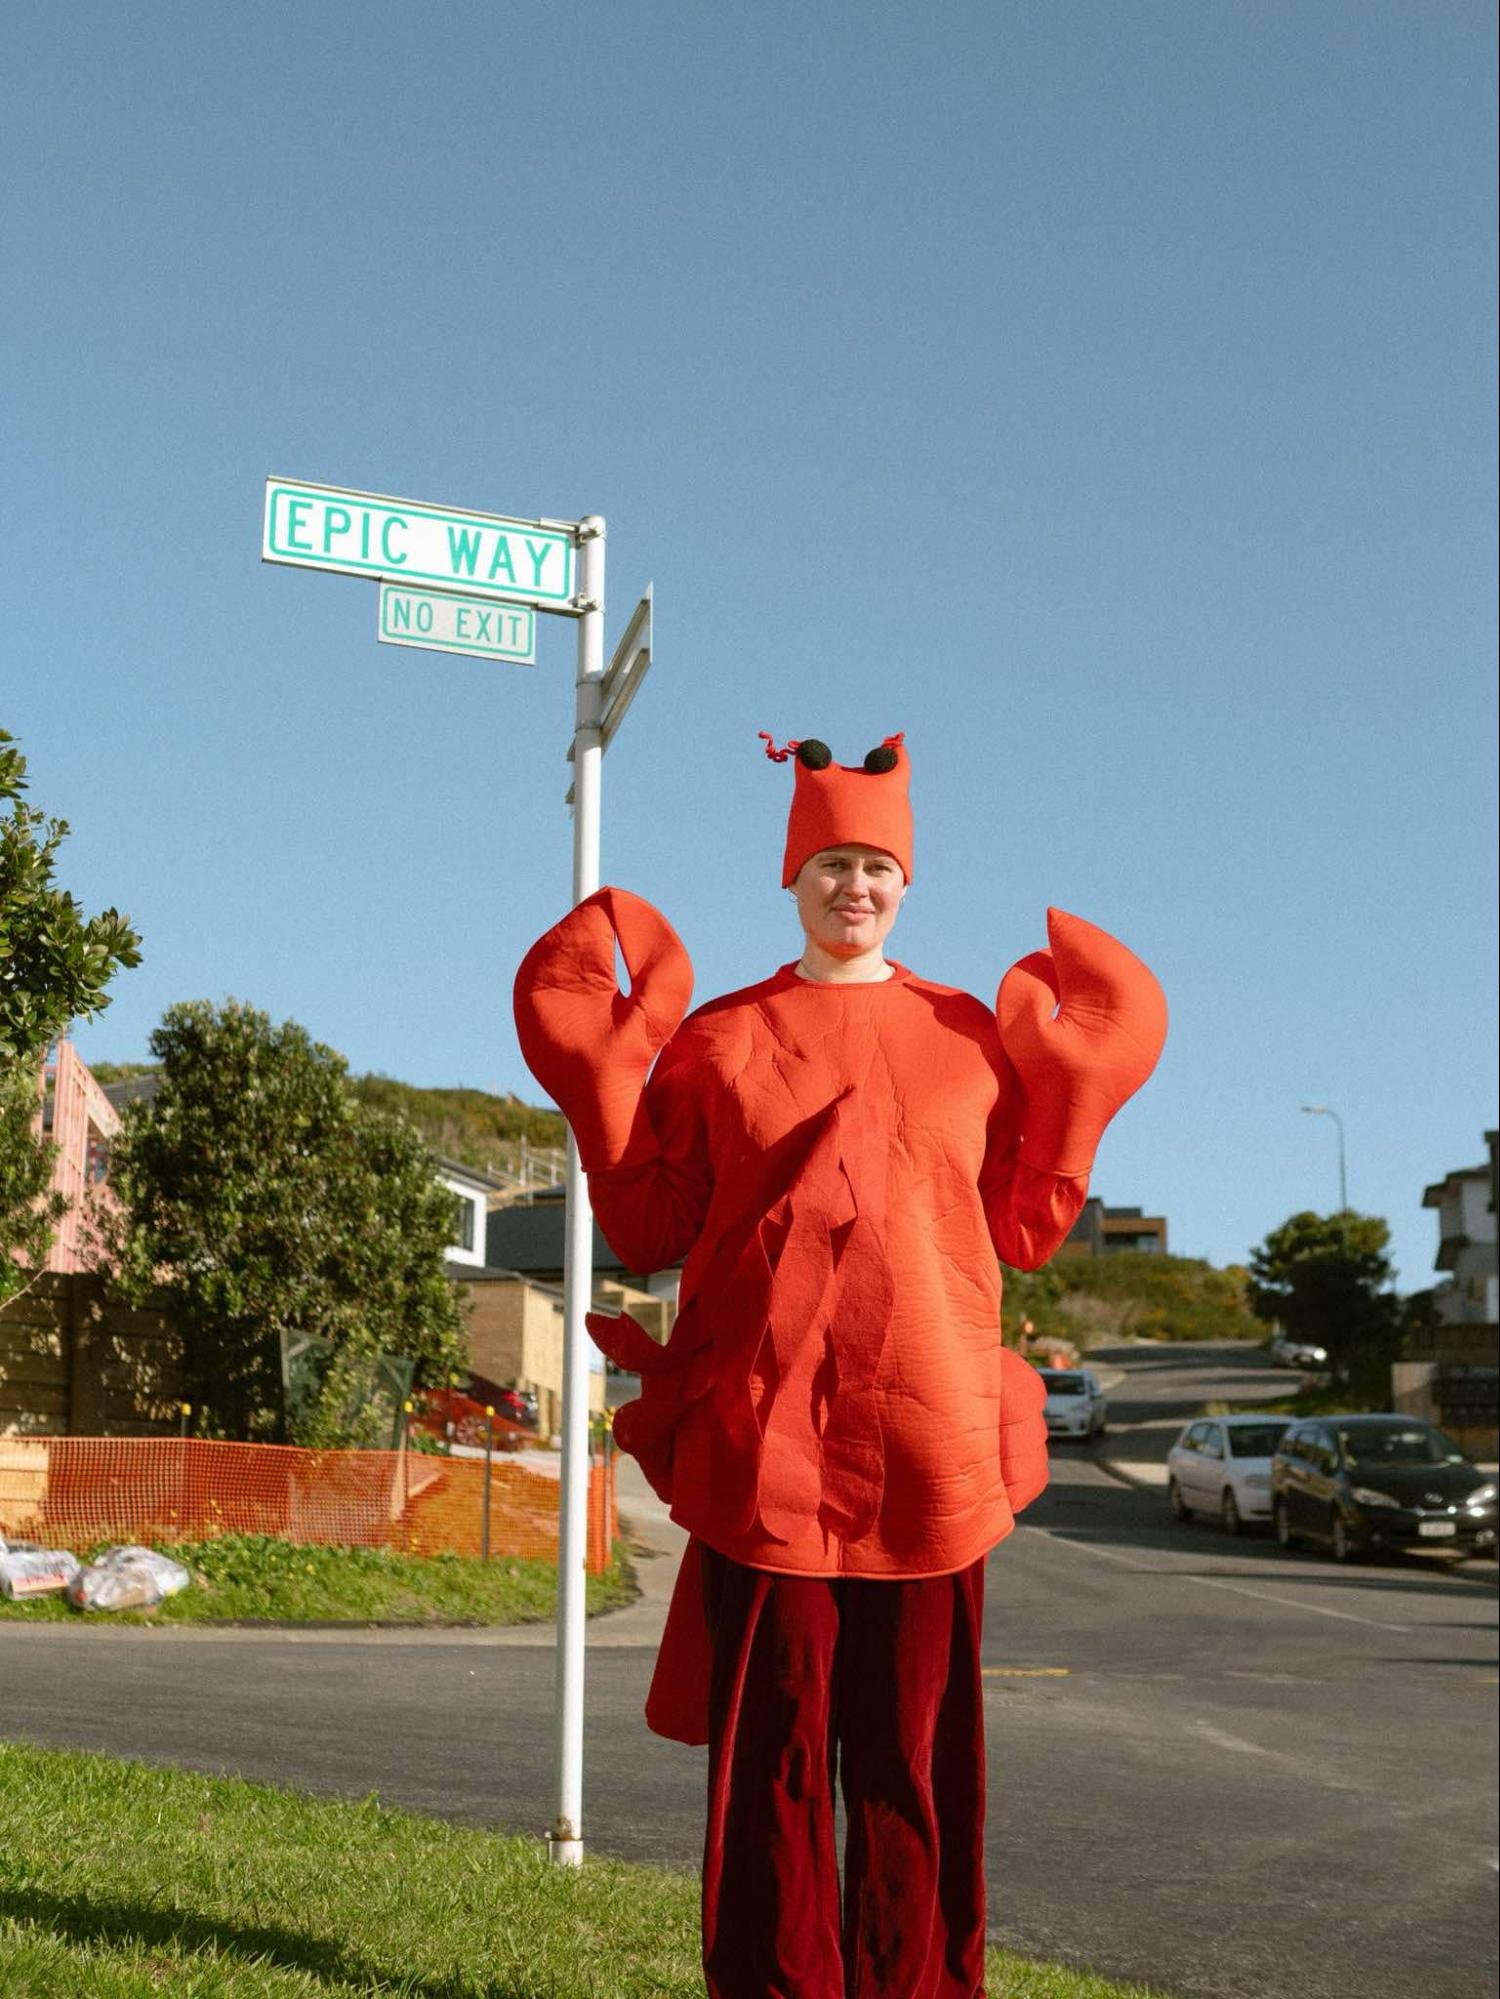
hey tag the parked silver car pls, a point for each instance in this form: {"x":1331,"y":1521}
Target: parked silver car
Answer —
{"x":1221,"y":1465}
{"x":1076,"y":1405}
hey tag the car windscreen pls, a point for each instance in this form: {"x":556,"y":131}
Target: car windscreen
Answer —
{"x":1066,"y":1384}
{"x":1398,"y":1444}
{"x":1254,"y":1440}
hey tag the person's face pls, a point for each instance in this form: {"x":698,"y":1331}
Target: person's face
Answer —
{"x":847,"y":898}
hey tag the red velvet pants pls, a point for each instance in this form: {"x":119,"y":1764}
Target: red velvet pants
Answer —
{"x":879,"y":1684}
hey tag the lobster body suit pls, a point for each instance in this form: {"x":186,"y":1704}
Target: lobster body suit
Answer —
{"x":839,"y":1166}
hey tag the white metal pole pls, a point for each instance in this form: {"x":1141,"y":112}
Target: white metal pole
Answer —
{"x":566,"y":1842}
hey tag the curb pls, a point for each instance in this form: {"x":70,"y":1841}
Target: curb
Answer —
{"x":1132,"y":1478}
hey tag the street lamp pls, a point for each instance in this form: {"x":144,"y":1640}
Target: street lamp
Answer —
{"x":1322,"y":1110}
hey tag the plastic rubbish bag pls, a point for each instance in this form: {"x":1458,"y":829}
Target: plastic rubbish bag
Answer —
{"x":127,"y":1579}
{"x":27,"y":1570}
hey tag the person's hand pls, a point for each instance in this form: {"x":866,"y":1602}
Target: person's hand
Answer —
{"x":589,"y":1045}
{"x":1083,"y":1023}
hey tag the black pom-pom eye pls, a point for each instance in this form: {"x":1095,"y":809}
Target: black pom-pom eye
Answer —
{"x":813,"y":755}
{"x":882,"y":759}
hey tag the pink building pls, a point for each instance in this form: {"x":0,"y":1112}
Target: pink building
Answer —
{"x":79,"y":1119}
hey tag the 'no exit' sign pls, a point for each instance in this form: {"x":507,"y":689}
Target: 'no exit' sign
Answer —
{"x":440,"y":622}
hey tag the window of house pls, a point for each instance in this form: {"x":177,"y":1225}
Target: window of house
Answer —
{"x":463,"y":1222}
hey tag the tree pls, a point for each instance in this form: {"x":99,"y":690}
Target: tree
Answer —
{"x":1326,"y":1278}
{"x":54,"y":966}
{"x":29,"y":1213}
{"x":264,"y":1200}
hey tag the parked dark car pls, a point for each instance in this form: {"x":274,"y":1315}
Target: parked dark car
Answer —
{"x":1368,"y":1483}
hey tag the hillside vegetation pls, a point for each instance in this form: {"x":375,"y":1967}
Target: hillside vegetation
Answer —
{"x":1093,"y":1300}
{"x":471,"y":1126}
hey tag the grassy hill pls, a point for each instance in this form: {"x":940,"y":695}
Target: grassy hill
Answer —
{"x":1092,"y":1300}
{"x":468,"y":1125}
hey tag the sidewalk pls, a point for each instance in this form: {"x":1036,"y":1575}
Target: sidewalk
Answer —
{"x":1148,"y":1473}
{"x":655,"y":1544}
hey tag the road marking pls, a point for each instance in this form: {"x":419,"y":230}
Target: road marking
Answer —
{"x":1024,"y":1672}
{"x":1227,"y":1741}
{"x":1288,"y":1603}
{"x":1214,"y":1582}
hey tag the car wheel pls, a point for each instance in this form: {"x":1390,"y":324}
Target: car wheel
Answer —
{"x":1345,"y":1548}
{"x":1285,"y":1538}
{"x":1180,"y":1508}
{"x":1229,"y":1513}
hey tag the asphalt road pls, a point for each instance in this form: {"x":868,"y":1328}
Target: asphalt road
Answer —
{"x":1215,"y":1767}
{"x":1161,"y":1386}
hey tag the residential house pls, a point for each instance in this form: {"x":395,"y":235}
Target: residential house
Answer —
{"x":1465,"y":1203}
{"x":473,"y":1193}
{"x":527,"y":1236}
{"x":1450,"y":1372}
{"x":79,"y":1119}
{"x":1105,"y":1231}
{"x":514,"y":1328}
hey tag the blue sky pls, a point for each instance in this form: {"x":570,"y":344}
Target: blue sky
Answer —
{"x":1102,"y":393}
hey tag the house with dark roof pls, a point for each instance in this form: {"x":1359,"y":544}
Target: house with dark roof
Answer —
{"x":528,"y":1237}
{"x":1104,"y":1231}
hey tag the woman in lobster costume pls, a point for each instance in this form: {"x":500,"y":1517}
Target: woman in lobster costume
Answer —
{"x":840,"y":1156}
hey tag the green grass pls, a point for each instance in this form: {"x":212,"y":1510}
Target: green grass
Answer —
{"x":242,"y":1577}
{"x":119,"y":1881}
{"x":1312,"y":1399}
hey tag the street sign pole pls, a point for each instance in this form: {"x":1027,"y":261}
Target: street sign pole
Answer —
{"x":565,"y":1844}
{"x":455,"y":581}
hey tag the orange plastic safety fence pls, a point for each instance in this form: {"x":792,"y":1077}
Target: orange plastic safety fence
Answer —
{"x":73,"y":1492}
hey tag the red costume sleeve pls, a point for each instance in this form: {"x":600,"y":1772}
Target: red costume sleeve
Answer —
{"x":1082,"y":1023}
{"x":1029,"y":1212}
{"x":1023,"y":1431}
{"x":652,"y":1209}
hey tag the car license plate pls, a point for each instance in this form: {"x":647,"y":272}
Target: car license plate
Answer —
{"x":1434,"y":1530}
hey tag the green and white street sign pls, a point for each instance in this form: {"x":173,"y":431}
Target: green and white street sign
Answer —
{"x":439,"y":621}
{"x":370,"y":534}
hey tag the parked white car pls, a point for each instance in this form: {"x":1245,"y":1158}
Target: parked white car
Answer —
{"x":1287,"y":1352}
{"x":1222,"y":1465}
{"x":1076,"y":1405}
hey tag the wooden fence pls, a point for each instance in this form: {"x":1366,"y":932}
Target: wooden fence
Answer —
{"x":72,"y":1364}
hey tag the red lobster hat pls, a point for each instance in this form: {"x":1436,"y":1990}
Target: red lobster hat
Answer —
{"x":839,"y":805}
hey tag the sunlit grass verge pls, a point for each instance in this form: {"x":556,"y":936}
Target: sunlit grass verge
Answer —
{"x":118,"y":1880}
{"x":254,"y":1577}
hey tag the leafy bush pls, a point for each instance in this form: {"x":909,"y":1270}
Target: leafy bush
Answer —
{"x":1135,"y":1294}
{"x":268,"y":1203}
